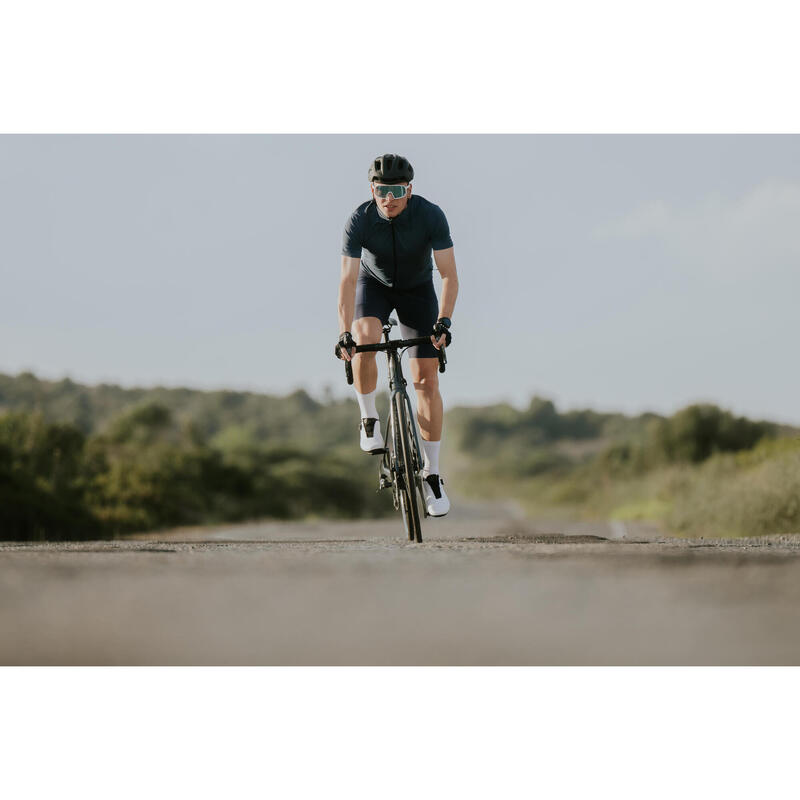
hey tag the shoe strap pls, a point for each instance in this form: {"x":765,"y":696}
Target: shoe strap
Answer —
{"x":433,"y":482}
{"x":368,"y":424}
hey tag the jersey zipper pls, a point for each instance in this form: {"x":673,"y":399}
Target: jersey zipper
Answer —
{"x":394,"y":255}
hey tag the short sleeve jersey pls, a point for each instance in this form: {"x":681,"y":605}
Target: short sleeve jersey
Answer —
{"x":397,"y":251}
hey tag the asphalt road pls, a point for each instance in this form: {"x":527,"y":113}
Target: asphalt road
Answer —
{"x":485,"y":588}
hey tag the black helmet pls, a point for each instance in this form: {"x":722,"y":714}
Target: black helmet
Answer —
{"x":390,"y":168}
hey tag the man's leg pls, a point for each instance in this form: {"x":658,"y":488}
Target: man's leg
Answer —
{"x":425,"y":374}
{"x":367,"y":330}
{"x":372,"y":306}
{"x":417,"y":310}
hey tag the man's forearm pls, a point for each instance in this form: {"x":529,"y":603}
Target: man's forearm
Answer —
{"x":449,"y":294}
{"x":347,"y":305}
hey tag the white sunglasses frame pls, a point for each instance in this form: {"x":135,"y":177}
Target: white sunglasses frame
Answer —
{"x":407,"y":187}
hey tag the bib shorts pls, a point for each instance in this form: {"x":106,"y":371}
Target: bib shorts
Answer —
{"x":417,"y":309}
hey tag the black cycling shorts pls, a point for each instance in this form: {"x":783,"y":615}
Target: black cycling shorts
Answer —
{"x":417,"y":309}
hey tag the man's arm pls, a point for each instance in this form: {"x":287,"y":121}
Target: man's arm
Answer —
{"x":347,"y":295}
{"x":446,"y":264}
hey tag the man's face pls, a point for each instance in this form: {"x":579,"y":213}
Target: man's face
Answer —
{"x":388,"y":205}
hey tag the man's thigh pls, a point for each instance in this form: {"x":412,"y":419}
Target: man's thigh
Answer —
{"x":367,"y":330}
{"x":373,"y":300}
{"x":417,"y":312}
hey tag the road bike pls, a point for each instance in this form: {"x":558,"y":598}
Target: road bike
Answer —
{"x":401,"y":460}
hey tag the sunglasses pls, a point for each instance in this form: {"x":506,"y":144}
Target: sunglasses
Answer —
{"x":384,"y":190}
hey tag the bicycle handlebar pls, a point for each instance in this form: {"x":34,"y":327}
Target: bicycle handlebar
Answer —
{"x":393,"y":344}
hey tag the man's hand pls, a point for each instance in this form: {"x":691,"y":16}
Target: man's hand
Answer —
{"x":344,"y":347}
{"x":441,"y":333}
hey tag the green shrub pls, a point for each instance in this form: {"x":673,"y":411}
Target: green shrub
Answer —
{"x":727,"y":497}
{"x":699,"y":431}
{"x":148,"y":471}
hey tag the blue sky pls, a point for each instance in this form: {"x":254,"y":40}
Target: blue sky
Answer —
{"x":620,"y":272}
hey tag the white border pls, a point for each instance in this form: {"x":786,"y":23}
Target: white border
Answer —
{"x":246,"y":66}
{"x":398,"y":733}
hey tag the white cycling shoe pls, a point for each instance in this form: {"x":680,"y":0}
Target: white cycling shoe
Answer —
{"x":436,"y":500}
{"x":371,"y":439}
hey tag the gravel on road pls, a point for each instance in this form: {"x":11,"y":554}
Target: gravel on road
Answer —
{"x":483,"y":589}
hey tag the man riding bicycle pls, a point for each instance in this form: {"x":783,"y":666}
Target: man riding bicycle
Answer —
{"x":386,"y":265}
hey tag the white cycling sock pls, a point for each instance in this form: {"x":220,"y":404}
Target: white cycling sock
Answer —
{"x":431,"y":465}
{"x":366,"y":402}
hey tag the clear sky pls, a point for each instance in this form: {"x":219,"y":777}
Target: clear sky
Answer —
{"x":619,"y":272}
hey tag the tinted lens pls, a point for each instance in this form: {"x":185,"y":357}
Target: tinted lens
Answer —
{"x":384,"y":191}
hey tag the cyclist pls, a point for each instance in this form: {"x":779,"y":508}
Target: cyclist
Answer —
{"x":386,"y":264}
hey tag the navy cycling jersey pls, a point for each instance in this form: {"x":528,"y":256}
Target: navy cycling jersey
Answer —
{"x":397,"y":252}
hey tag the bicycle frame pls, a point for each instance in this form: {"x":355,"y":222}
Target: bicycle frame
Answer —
{"x":406,"y":483}
{"x":397,"y":388}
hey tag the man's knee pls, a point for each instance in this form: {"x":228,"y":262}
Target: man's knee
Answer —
{"x":367,"y":330}
{"x":426,"y":376}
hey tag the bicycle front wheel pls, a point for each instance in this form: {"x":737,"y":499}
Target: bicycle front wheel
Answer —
{"x":406,"y":457}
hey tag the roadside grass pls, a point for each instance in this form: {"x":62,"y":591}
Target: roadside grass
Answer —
{"x":748,"y":493}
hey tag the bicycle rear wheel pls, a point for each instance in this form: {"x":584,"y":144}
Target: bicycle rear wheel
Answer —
{"x":405,"y":457}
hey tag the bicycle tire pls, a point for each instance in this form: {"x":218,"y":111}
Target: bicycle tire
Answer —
{"x":418,"y":459}
{"x":408,"y":493}
{"x":397,"y":466}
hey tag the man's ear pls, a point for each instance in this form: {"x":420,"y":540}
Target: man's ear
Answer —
{"x":409,"y":189}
